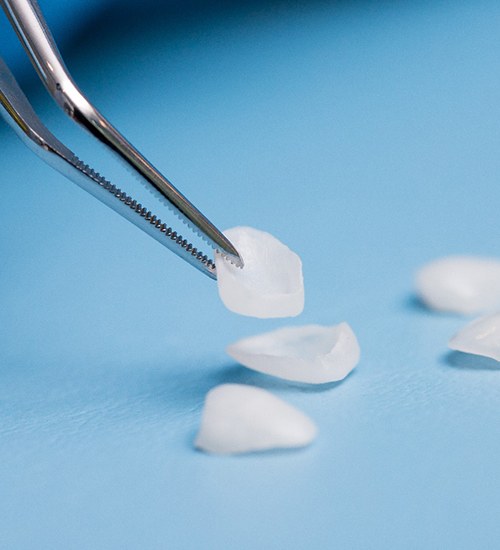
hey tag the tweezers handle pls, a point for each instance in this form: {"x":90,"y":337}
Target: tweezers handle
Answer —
{"x":27,"y":20}
{"x":18,"y":113}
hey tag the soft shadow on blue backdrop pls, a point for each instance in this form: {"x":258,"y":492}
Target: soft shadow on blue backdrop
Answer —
{"x":363,"y":134}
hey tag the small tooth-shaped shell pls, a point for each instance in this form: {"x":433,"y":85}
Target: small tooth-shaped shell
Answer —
{"x":312,"y":354}
{"x":460,"y":284}
{"x":269,"y":285}
{"x":481,"y":337}
{"x":243,"y":419}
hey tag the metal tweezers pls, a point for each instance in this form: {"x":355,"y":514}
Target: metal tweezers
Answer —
{"x":32,"y":30}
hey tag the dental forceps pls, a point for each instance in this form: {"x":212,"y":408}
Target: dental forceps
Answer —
{"x":33,"y":32}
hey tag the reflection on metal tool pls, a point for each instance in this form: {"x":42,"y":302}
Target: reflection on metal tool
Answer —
{"x":28,"y":22}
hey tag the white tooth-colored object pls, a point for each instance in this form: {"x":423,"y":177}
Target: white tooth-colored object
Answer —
{"x":460,"y":284}
{"x":481,"y":337}
{"x":243,"y":419}
{"x":269,"y":285}
{"x":312,"y":354}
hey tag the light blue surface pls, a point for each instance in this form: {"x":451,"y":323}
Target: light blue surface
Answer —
{"x":364,"y":135}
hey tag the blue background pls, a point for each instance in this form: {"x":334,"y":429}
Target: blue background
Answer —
{"x":363,"y":134}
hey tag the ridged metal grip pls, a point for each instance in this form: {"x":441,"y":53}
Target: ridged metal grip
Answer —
{"x":18,"y":112}
{"x":27,"y":20}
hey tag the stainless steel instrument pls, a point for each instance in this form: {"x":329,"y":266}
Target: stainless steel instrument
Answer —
{"x":31,"y":28}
